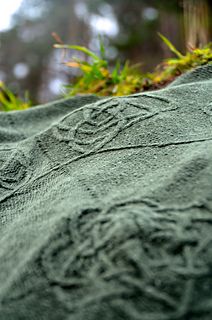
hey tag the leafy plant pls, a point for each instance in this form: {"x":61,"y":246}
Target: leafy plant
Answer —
{"x":9,"y":101}
{"x":170,"y":68}
{"x":97,"y":78}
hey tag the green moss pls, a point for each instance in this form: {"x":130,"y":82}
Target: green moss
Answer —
{"x":97,"y":78}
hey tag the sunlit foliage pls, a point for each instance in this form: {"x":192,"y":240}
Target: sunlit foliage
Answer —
{"x":98,"y":78}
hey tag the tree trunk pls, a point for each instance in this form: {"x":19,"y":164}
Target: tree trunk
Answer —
{"x":196,"y":22}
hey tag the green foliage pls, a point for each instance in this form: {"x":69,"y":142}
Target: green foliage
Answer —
{"x":9,"y":101}
{"x":97,"y":78}
{"x":170,"y":68}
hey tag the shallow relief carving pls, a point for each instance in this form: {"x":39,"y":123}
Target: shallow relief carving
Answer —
{"x":89,"y":129}
{"x":132,"y":251}
{"x":14,"y":173}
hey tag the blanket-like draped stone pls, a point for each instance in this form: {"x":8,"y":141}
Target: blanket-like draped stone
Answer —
{"x":106,"y":206}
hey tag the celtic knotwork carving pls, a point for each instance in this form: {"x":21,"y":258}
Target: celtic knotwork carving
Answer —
{"x":135,"y":252}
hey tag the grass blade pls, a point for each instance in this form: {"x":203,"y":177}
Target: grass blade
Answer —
{"x":78,"y":48}
{"x":170,"y":45}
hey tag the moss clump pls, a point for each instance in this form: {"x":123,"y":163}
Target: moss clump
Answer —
{"x":97,"y":78}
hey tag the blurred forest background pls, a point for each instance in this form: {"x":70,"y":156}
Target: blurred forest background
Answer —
{"x":29,"y":62}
